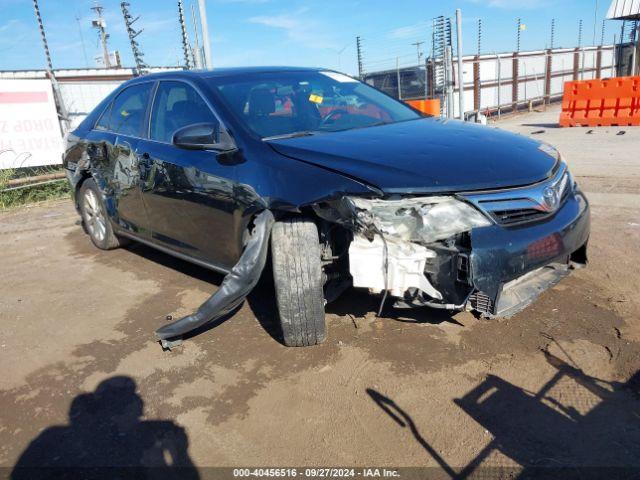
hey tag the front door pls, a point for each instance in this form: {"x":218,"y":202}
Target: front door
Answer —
{"x":112,"y":148}
{"x":188,"y":194}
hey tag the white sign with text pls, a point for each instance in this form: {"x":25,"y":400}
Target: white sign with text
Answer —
{"x":29,"y":129}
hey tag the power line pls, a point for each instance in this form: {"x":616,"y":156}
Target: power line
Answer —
{"x":84,"y":50}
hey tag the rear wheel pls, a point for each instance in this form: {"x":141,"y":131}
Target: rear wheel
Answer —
{"x":297,"y":274}
{"x":94,"y":217}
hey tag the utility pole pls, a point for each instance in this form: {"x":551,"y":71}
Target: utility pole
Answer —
{"x":42,"y":35}
{"x":460,"y":72}
{"x":135,"y":47}
{"x":518,"y":35}
{"x":185,"y":38}
{"x":100,"y":25}
{"x":206,"y":43}
{"x":553,"y":32}
{"x":418,"y":51}
{"x":359,"y":51}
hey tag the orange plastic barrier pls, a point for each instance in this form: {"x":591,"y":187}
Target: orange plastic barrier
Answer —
{"x":429,"y":106}
{"x":593,"y":103}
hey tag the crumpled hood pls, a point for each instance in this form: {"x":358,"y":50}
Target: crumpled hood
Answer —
{"x":426,"y":155}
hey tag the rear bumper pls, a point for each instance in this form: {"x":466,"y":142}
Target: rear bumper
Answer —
{"x":510,"y":267}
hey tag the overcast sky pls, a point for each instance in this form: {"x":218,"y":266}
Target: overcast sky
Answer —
{"x":289,"y":32}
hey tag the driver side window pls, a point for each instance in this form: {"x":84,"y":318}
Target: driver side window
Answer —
{"x":177,"y":105}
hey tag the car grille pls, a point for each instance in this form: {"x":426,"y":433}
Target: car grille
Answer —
{"x":512,"y":217}
{"x":525,"y":204}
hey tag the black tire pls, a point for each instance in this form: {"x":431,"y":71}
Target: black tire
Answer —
{"x":95,"y":219}
{"x":297,"y":275}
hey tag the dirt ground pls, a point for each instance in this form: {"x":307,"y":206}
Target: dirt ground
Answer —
{"x":557,"y":385}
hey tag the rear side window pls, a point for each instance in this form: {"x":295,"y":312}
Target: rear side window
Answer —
{"x":177,"y":105}
{"x":127,"y":112}
{"x":103,"y":123}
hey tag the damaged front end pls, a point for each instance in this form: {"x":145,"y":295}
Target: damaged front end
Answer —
{"x":446,"y":252}
{"x":404,"y":246}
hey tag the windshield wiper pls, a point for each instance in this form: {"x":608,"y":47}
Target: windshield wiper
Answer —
{"x":303,"y":133}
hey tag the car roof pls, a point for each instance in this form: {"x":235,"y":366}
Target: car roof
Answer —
{"x":224,"y":72}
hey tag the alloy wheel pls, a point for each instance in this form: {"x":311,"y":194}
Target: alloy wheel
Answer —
{"x":94,"y":217}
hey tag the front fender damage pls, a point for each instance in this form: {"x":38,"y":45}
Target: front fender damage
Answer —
{"x":235,"y":287}
{"x":244,"y":276}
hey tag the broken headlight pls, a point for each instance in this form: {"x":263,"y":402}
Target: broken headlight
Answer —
{"x":421,"y":219}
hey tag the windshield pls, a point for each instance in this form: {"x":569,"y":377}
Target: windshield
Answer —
{"x":306,"y":102}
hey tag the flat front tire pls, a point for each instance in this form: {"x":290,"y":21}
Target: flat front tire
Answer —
{"x":297,"y":274}
{"x":94,"y":216}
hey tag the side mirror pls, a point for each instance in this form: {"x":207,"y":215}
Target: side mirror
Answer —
{"x":202,"y":136}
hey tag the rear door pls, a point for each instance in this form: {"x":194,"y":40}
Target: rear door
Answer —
{"x":188,"y":194}
{"x":112,"y":148}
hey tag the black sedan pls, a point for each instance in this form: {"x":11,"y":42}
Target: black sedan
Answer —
{"x":349,"y":187}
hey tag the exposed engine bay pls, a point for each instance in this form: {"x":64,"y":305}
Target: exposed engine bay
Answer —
{"x":409,"y":236}
{"x":414,"y":250}
{"x":437,"y":251}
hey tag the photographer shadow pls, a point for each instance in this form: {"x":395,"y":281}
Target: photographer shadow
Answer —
{"x":106,"y":438}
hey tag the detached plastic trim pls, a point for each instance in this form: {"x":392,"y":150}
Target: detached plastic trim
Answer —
{"x":235,"y":287}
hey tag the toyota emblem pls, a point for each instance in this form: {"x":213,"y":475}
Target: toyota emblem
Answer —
{"x":551,"y":198}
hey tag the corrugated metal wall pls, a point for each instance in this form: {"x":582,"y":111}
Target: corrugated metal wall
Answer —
{"x":624,"y":9}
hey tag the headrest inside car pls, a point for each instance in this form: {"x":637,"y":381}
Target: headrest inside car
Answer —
{"x":261,"y":102}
